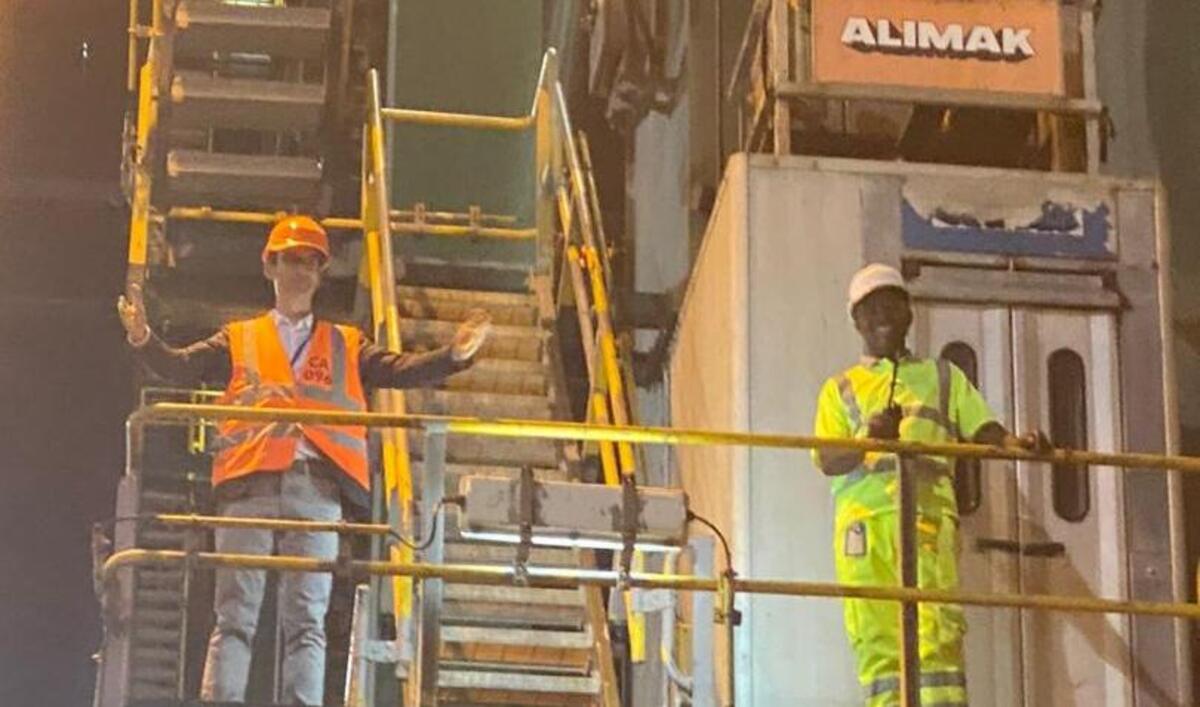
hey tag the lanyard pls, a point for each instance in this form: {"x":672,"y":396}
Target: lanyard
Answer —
{"x":303,"y":345}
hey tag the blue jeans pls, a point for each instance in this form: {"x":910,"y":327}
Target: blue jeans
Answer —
{"x":302,"y":493}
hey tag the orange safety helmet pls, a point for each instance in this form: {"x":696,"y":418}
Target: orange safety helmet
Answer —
{"x":296,"y":232}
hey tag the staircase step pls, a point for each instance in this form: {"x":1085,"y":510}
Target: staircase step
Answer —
{"x":153,"y":635}
{"x":506,"y":308}
{"x":501,"y":451}
{"x":577,"y":640}
{"x":500,"y":375}
{"x":149,"y":578}
{"x":475,"y":404}
{"x":517,"y":682}
{"x":266,"y":181}
{"x":520,"y":607}
{"x":475,"y":553}
{"x":455,"y":472}
{"x":506,"y":594}
{"x":147,"y":685}
{"x":159,"y":657}
{"x":206,"y":26}
{"x":201,"y":100}
{"x":189,"y":139}
{"x":162,"y":501}
{"x":509,"y":342}
{"x":161,"y":618}
{"x":159,"y":538}
{"x":158,"y":598}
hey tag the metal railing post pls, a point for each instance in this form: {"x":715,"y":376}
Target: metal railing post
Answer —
{"x":704,"y":680}
{"x":424,"y":679}
{"x":360,"y":672}
{"x":910,"y":654}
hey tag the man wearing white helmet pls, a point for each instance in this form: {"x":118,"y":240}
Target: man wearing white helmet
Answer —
{"x":888,"y":395}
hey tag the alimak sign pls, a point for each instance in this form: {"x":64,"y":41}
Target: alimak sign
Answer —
{"x":1006,"y":46}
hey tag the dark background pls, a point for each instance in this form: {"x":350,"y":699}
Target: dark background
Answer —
{"x":64,"y":380}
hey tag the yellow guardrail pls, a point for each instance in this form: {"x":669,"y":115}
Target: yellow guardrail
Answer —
{"x":585,"y":432}
{"x":566,"y":578}
{"x":726,"y":585}
{"x":400,"y":221}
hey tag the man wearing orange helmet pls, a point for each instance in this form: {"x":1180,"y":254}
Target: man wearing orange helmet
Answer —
{"x":287,"y":359}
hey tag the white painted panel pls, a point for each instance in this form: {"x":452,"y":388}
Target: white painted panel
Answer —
{"x":708,"y":388}
{"x":805,"y":244}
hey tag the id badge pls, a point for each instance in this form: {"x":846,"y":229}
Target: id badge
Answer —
{"x":855,"y":542}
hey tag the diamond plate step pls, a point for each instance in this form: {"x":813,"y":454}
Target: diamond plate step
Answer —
{"x":507,"y":342}
{"x":205,"y":26}
{"x":261,"y":181}
{"x":200,"y":100}
{"x":500,"y":451}
{"x":506,"y":308}
{"x":474,"y":553}
{"x":521,"y":607}
{"x":455,"y":472}
{"x":518,"y":682}
{"x":476,"y":404}
{"x":500,"y":375}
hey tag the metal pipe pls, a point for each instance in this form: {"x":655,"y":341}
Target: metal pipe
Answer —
{"x":910,"y":653}
{"x":358,"y":666}
{"x":429,"y":634}
{"x":461,"y":120}
{"x":306,"y":526}
{"x":576,"y":431}
{"x":131,"y":56}
{"x":454,"y":216}
{"x":569,"y":578}
{"x":1175,"y":492}
{"x":437,"y":229}
{"x":205,"y":213}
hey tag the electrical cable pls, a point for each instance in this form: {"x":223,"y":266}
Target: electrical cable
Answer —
{"x":691,"y":516}
{"x":415,"y":544}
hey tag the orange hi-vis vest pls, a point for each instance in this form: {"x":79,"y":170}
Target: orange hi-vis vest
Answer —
{"x":263,"y":377}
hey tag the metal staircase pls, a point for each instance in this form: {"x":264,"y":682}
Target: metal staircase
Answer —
{"x":247,"y":91}
{"x":502,"y":645}
{"x":232,"y":102}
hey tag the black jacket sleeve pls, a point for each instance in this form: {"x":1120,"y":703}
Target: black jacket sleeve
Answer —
{"x":206,"y":360}
{"x":381,"y":368}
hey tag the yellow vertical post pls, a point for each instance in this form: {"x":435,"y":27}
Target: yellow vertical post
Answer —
{"x":397,"y":474}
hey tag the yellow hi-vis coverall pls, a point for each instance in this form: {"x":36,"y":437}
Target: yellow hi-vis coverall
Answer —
{"x":939,"y":405}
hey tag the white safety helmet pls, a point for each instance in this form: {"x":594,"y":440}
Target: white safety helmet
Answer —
{"x":875,"y":276}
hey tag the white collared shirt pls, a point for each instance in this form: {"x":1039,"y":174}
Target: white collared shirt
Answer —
{"x":295,"y":337}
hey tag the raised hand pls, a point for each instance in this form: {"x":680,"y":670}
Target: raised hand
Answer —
{"x":472,"y":334}
{"x":131,"y":307}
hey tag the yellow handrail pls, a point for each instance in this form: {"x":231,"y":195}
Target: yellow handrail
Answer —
{"x":397,"y":224}
{"x":462,"y":120}
{"x":566,"y":578}
{"x":584,"y":432}
{"x":146,"y":78}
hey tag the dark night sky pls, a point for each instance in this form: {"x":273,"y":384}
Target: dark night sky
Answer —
{"x":63,"y":375}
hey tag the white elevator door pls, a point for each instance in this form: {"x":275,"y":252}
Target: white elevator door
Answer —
{"x":1028,"y":528}
{"x":980,"y":338}
{"x":1071,"y":519}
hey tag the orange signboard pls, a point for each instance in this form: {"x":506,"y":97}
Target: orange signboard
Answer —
{"x":1009,"y":46}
